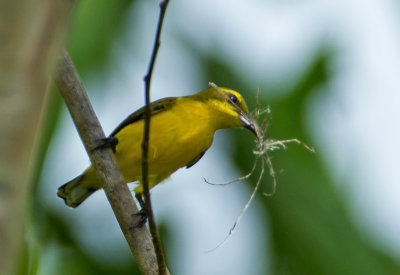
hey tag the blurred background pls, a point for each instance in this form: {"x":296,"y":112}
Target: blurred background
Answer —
{"x":329,"y":71}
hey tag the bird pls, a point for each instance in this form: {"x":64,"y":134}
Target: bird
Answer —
{"x":181,"y":131}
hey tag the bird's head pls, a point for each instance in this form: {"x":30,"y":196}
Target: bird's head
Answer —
{"x":230,"y":108}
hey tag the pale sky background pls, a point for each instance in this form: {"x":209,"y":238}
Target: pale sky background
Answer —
{"x":357,"y":133}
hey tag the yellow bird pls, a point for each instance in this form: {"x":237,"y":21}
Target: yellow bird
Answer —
{"x":181,"y":131}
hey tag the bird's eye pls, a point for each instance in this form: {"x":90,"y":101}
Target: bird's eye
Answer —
{"x":233,"y":99}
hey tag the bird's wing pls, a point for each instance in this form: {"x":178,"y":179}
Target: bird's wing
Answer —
{"x":155,"y":107}
{"x":195,"y":160}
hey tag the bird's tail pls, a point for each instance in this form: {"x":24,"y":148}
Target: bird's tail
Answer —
{"x":73,"y":193}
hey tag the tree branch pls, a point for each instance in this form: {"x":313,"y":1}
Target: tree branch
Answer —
{"x":118,"y":194}
{"x":145,"y":145}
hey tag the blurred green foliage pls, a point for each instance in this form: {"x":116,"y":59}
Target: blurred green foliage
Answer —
{"x":93,"y":30}
{"x":310,"y":225}
{"x":67,"y":256}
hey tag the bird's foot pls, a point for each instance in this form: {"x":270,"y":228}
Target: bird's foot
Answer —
{"x":142,"y":218}
{"x":110,"y":142}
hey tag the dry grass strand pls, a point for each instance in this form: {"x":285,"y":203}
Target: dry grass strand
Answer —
{"x":263,"y":146}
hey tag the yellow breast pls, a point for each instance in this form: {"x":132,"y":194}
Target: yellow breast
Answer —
{"x":177,"y":137}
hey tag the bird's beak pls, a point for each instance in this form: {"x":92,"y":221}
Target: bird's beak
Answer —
{"x":249,"y":123}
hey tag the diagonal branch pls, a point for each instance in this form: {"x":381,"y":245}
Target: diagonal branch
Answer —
{"x":118,"y":194}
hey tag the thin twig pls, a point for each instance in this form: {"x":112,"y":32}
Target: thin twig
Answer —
{"x":162,"y":267}
{"x":122,"y":203}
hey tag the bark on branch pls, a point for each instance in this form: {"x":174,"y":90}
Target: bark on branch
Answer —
{"x":118,"y":194}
